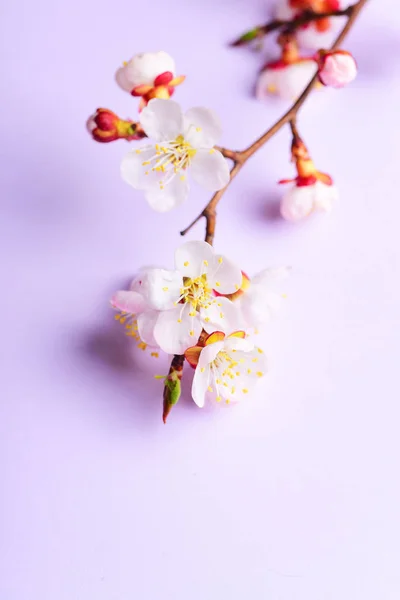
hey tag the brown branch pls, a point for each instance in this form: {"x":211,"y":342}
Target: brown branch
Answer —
{"x":305,"y":18}
{"x":239,"y":158}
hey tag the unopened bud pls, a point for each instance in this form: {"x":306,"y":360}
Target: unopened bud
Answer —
{"x":172,"y":385}
{"x":336,"y":68}
{"x":106,"y":126}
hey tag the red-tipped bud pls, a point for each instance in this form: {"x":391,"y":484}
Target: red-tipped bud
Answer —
{"x":336,"y":68}
{"x":106,"y":126}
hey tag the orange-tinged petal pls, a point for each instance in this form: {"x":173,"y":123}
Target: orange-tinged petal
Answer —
{"x":192,"y":355}
{"x":217,"y":336}
{"x":238,"y":334}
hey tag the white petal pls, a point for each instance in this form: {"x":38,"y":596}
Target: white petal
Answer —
{"x":129,"y":302}
{"x":310,"y":37}
{"x":161,"y":288}
{"x":325,"y":196}
{"x":288,"y":82}
{"x":210,"y":169}
{"x":258,"y":305}
{"x":136,"y":283}
{"x":298,"y":202}
{"x":123,"y":80}
{"x":192,"y":258}
{"x":176,"y":330}
{"x":202,"y":127}
{"x":269,"y":277}
{"x":144,"y":68}
{"x":134,"y":172}
{"x":256,"y":360}
{"x":239,"y":344}
{"x":200,"y":384}
{"x":162,"y":120}
{"x":267,"y":83}
{"x":223,"y":315}
{"x":171,"y":196}
{"x":224,"y":276}
{"x":146,"y":323}
{"x":209,"y":353}
{"x":252,"y":366}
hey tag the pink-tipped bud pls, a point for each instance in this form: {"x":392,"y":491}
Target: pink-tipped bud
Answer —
{"x":337,"y":68}
{"x":106,"y":126}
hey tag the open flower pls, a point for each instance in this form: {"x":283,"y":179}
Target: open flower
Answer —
{"x":136,"y":314}
{"x":312,"y":190}
{"x":149,"y":75}
{"x":318,"y":33}
{"x":258,"y":298}
{"x":288,"y":76}
{"x":285,"y":80}
{"x":336,"y":68}
{"x":226,"y":367}
{"x":183,"y":142}
{"x":185,"y":297}
{"x":173,"y":307}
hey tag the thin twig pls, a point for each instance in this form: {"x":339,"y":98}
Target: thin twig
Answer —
{"x":304,"y":19}
{"x":239,"y":158}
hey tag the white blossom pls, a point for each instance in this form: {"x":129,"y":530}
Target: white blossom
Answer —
{"x":227,"y":367}
{"x":183,"y":142}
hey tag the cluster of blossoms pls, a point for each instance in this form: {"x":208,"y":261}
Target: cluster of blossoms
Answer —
{"x":206,"y":311}
{"x":288,"y":75}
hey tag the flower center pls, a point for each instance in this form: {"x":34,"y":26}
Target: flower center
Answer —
{"x":197,"y":292}
{"x":225,"y":370}
{"x":171,"y":158}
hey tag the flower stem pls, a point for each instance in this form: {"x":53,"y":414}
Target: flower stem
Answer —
{"x":240,"y":157}
{"x":305,"y":18}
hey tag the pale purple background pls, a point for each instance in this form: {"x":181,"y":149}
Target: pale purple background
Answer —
{"x":294,"y":494}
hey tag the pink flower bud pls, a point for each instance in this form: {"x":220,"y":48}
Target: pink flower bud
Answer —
{"x":337,"y":68}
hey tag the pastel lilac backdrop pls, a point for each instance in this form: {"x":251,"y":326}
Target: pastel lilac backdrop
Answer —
{"x":291,"y":495}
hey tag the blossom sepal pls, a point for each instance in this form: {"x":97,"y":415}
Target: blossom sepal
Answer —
{"x":105,"y":126}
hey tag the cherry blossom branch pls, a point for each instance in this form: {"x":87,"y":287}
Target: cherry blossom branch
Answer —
{"x":239,"y":158}
{"x":305,"y":18}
